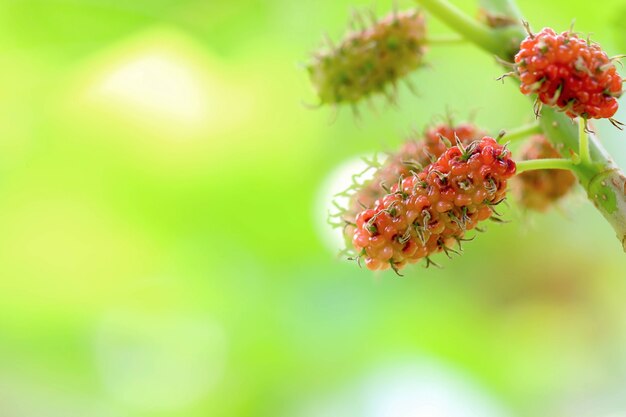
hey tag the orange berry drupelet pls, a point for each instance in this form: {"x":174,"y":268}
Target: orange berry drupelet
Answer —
{"x":428,"y":212}
{"x":573,"y":74}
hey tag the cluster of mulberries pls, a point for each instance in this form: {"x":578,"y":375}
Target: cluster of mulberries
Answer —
{"x":570,"y":73}
{"x":370,"y":60}
{"x":427,"y":212}
{"x":540,"y":189}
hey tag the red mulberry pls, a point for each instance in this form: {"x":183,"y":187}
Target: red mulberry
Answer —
{"x":538,"y":190}
{"x":370,"y":60}
{"x":570,"y":73}
{"x":429,"y":211}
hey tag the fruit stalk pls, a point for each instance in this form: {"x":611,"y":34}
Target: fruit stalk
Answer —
{"x":521,"y":132}
{"x":548,"y":163}
{"x":463,"y":24}
{"x":601,"y":178}
{"x":583,"y":142}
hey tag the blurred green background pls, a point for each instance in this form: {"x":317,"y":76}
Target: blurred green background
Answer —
{"x":163,"y":246}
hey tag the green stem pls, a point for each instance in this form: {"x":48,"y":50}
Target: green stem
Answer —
{"x":437,"y":40}
{"x":522,"y":132}
{"x":469,"y":28}
{"x":547,"y":163}
{"x":583,"y":141}
{"x":603,"y":181}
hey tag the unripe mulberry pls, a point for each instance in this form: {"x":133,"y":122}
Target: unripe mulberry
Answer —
{"x":371,"y":60}
{"x":539,"y":189}
{"x":569,"y":73}
{"x":429,"y":211}
{"x":414,"y":154}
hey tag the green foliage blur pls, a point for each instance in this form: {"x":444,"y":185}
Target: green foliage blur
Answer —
{"x":163,"y":245}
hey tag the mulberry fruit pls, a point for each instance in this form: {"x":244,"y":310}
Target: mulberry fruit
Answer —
{"x":570,"y":73}
{"x":428,"y":212}
{"x":371,"y":60}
